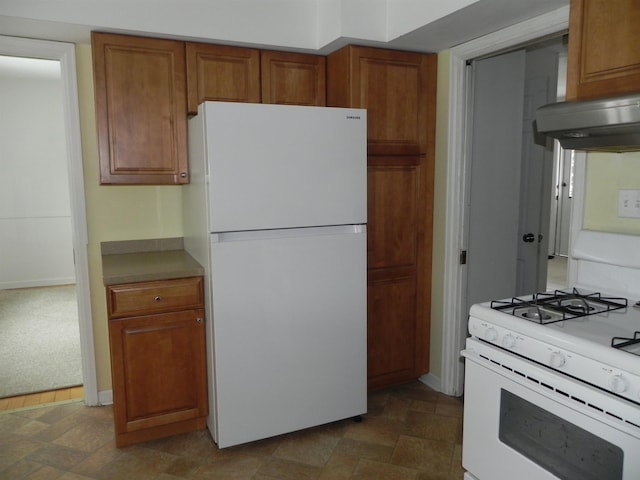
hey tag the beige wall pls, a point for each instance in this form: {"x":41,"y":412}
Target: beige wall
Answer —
{"x":437,"y":279}
{"x":35,"y":214}
{"x":607,"y":173}
{"x":136,"y":212}
{"x":115,"y":213}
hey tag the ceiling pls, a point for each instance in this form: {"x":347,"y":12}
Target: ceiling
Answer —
{"x":476,"y":20}
{"x":479,"y":18}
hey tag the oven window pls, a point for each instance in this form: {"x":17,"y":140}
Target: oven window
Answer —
{"x":561,"y":448}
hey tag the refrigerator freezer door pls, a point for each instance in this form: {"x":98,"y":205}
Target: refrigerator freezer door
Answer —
{"x":289,"y":330}
{"x":277,"y":166}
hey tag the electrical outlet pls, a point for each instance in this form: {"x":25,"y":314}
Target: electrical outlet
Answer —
{"x":629,"y":203}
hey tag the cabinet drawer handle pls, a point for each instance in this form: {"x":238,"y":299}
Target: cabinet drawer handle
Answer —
{"x":157,"y":298}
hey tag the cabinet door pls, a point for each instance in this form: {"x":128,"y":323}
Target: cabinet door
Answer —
{"x":140,"y":93}
{"x":292,"y":78}
{"x":218,"y":72}
{"x":158,"y":371}
{"x":399,"y":237}
{"x":396,"y":89}
{"x":604,"y":58}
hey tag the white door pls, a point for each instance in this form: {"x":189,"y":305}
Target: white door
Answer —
{"x":511,"y":176}
{"x":535,"y":192}
{"x":494,"y":191}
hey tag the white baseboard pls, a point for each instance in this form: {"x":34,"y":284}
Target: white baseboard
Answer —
{"x":46,"y":282}
{"x":430,"y":380}
{"x":105,"y":397}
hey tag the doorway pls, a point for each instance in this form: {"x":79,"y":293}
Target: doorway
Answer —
{"x":510,"y":180}
{"x":455,"y":315}
{"x":72,"y":171}
{"x":37,"y":278}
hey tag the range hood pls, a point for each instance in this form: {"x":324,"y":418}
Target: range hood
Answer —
{"x":609,"y":125}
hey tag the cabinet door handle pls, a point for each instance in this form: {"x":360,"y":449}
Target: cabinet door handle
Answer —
{"x":199,"y":319}
{"x":157,"y":298}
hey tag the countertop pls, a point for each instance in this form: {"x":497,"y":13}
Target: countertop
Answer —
{"x":146,"y":260}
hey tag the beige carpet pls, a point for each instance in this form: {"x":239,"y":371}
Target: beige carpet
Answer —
{"x":39,"y":340}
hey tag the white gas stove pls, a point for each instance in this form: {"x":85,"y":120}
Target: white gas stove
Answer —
{"x":552,"y":388}
{"x":593,"y":337}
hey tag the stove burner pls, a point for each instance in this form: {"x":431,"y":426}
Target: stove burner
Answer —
{"x":535,"y":313}
{"x":550,"y":307}
{"x":577,"y":305}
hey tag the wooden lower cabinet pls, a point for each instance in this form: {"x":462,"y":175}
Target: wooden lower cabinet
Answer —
{"x":158,"y":363}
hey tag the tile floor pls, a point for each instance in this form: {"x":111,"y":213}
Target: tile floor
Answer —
{"x":410,"y":433}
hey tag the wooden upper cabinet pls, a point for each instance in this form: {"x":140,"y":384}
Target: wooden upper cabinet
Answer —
{"x":222,"y":73}
{"x":140,"y":94}
{"x":292,"y":78}
{"x":394,"y":87}
{"x":603,"y":57}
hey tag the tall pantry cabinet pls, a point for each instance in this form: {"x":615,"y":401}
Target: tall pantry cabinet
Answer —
{"x":398,"y":89}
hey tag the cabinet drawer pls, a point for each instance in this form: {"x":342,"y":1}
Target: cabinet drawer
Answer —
{"x":150,"y":297}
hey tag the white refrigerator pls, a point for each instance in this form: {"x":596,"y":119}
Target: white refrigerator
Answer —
{"x":276,"y":213}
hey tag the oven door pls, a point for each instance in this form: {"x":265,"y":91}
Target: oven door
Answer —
{"x":522,"y":420}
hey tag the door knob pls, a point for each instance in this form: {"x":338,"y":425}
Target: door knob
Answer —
{"x":529,"y":238}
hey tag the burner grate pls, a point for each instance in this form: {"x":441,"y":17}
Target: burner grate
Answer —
{"x":559,"y":305}
{"x":624,"y":343}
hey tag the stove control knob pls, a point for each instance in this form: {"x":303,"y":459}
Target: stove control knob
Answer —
{"x":491,"y":334}
{"x":619,"y":384}
{"x":509,"y":341}
{"x":556,"y":360}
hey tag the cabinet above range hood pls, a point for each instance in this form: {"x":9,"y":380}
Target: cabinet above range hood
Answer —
{"x":608,"y":125}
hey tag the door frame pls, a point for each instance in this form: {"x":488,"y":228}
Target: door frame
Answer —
{"x":454,"y":319}
{"x":65,"y":54}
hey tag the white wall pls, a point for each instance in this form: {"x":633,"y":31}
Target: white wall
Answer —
{"x":283,"y":24}
{"x":35,"y":219}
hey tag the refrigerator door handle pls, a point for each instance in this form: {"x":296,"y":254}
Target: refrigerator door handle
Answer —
{"x":287,"y":233}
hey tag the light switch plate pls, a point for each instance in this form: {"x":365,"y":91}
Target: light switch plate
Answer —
{"x":629,"y":203}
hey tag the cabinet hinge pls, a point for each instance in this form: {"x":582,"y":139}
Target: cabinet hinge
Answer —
{"x":463,"y":257}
